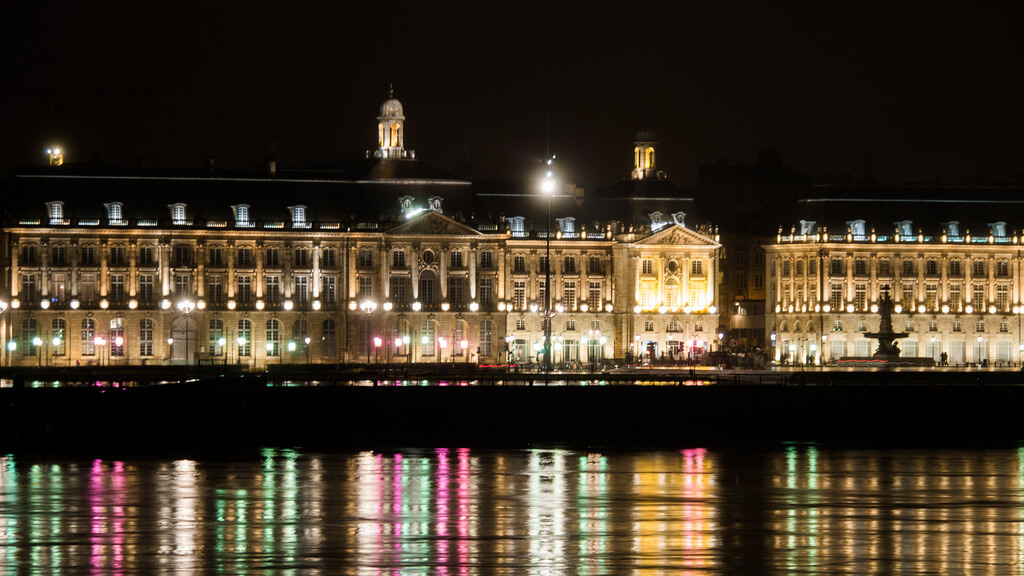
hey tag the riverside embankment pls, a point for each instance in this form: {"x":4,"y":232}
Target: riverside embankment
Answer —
{"x":891,"y":408}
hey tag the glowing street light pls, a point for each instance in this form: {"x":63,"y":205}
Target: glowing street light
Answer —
{"x":186,"y":307}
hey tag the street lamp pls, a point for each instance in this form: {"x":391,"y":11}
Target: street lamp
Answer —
{"x":307,"y":350}
{"x":38,"y":343}
{"x":548,"y":188}
{"x":186,"y":307}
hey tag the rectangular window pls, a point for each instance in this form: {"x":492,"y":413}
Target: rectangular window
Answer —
{"x":1003,"y":298}
{"x":427,"y":338}
{"x":244,"y":337}
{"x":273,"y":290}
{"x":365,"y":288}
{"x":182,"y":285}
{"x":954,"y":268}
{"x":301,"y":294}
{"x":215,"y":254}
{"x":836,"y":267}
{"x":398,"y":291}
{"x":244,"y":291}
{"x":1002,"y":268}
{"x":569,"y":265}
{"x":978,"y":268}
{"x":594,"y":296}
{"x":978,"y":297}
{"x":519,"y":264}
{"x":88,"y":254}
{"x":245,"y":257}
{"x":759,"y":281}
{"x":365,"y":258}
{"x":519,"y":294}
{"x":88,"y":292}
{"x":398,"y":259}
{"x":907,"y":298}
{"x":217,"y":342}
{"x":182,"y":255}
{"x":273,"y":257}
{"x":884,"y":267}
{"x":456,"y":285}
{"x":58,"y":255}
{"x":542,"y":292}
{"x":955,"y":298}
{"x":800,"y":268}
{"x":328,"y":258}
{"x":860,"y":267}
{"x":697,"y":268}
{"x":931,"y":267}
{"x":117,"y":288}
{"x":486,"y":293}
{"x":215,"y":289}
{"x":29,"y":255}
{"x":908,"y":268}
{"x":741,"y":279}
{"x":146,"y":288}
{"x":117,"y":256}
{"x":542,"y":263}
{"x":487,"y":260}
{"x":569,"y":295}
{"x":646,"y":266}
{"x":836,"y":297}
{"x":456,"y":258}
{"x":594,"y":266}
{"x":426,"y":293}
{"x":329,"y":338}
{"x":301,"y":257}
{"x":931,"y":297}
{"x":329,"y":293}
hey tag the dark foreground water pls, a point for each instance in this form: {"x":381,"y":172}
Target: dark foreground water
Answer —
{"x":800,"y":509}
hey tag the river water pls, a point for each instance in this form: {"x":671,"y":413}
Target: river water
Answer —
{"x":797,"y":509}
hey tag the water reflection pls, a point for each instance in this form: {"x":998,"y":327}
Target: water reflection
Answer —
{"x":453,"y":511}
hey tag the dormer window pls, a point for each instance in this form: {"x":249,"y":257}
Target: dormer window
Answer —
{"x":953,"y":228}
{"x":405,"y":205}
{"x":997,"y":229}
{"x":241,"y":215}
{"x":178,"y":213}
{"x":567,"y":225}
{"x":298,"y":216}
{"x":115,"y":212}
{"x":807,"y":227}
{"x":435,"y":204}
{"x":516,"y":225}
{"x":905,"y":227}
{"x":679,"y":218}
{"x":56,"y":210}
{"x":657,"y":221}
{"x":856,"y":227}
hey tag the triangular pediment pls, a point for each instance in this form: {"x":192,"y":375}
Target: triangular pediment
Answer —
{"x":676,"y":235}
{"x":433,"y":223}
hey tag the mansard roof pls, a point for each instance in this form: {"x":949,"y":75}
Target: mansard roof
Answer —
{"x":928,"y":209}
{"x":362,"y":191}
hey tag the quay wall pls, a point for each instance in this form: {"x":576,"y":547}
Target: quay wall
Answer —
{"x":241,"y":412}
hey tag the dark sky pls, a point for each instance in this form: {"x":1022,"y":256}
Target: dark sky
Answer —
{"x":928,"y":90}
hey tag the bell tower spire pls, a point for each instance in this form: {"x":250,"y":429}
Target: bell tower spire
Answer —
{"x":391,"y":128}
{"x":644,"y":143}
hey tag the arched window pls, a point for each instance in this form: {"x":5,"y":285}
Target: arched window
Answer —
{"x":145,"y":337}
{"x":328,"y":339}
{"x":486,"y":336}
{"x":245,"y":337}
{"x":300,"y":330}
{"x":273,"y":337}
{"x":217,"y":341}
{"x":428,"y":338}
{"x":58,"y":337}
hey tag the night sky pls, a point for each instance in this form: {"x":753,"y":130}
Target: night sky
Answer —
{"x":931,"y":91}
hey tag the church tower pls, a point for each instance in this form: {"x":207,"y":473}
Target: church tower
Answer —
{"x":643,"y":153}
{"x":391,"y":128}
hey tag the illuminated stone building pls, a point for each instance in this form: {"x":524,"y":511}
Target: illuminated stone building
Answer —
{"x":949,"y":257}
{"x":375,"y":261}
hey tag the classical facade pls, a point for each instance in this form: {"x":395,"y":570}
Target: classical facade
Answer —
{"x":387,"y":260}
{"x":955,"y":278}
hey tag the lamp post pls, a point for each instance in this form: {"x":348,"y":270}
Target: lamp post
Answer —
{"x":4,"y":330}
{"x":548,"y":187}
{"x":186,"y":307}
{"x":307,"y":350}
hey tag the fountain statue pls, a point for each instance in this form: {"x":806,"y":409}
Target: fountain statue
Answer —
{"x":887,"y":348}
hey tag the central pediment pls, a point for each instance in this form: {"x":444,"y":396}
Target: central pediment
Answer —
{"x":677,"y":235}
{"x":433,"y":223}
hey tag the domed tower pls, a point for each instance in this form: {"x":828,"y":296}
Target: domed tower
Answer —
{"x":391,"y":128}
{"x":643,"y":153}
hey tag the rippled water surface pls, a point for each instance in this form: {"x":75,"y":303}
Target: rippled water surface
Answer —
{"x":796,"y":510}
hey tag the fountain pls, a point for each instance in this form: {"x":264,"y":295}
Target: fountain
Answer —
{"x":888,"y":352}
